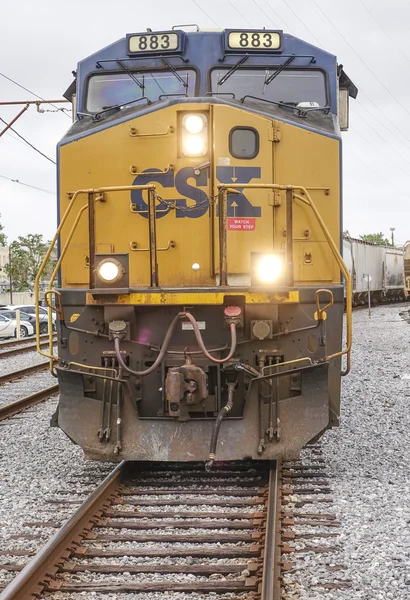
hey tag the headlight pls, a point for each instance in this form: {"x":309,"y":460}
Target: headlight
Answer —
{"x":194,"y":134}
{"x":193,"y":123}
{"x":268,"y":268}
{"x":193,"y":145}
{"x":110,"y":270}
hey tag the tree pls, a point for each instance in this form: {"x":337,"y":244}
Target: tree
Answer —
{"x":27,"y":254}
{"x":346,"y":233}
{"x":376,"y":238}
{"x":3,"y":237}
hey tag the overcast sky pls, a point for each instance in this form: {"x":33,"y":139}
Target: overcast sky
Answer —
{"x":41,"y":42}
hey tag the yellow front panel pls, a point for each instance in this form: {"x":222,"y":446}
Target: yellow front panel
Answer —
{"x":251,"y":205}
{"x":105,"y":159}
{"x":287,"y":154}
{"x":312,"y":160}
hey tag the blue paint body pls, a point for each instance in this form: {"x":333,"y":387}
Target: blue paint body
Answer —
{"x":205,"y":50}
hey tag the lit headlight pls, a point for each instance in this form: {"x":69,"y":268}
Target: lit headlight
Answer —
{"x":193,"y":145}
{"x":194,"y":134}
{"x":110,"y":270}
{"x":193,"y":123}
{"x":269,"y":268}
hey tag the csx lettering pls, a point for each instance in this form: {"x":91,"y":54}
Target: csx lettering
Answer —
{"x":238,"y":204}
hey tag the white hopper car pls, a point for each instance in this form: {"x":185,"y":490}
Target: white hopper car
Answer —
{"x":384,"y":264}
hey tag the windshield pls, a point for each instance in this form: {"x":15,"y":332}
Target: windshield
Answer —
{"x":289,"y":86}
{"x":114,"y":89}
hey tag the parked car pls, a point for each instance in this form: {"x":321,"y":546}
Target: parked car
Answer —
{"x":8,"y":327}
{"x":30,"y":309}
{"x":11,"y":314}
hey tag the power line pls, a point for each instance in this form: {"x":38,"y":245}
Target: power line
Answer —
{"x":27,"y":185}
{"x":381,"y":176}
{"x":385,"y":117}
{"x":28,"y":143}
{"x":205,"y":13}
{"x":33,"y":94}
{"x":240,"y":13}
{"x":384,"y":139}
{"x":265,"y":13}
{"x":300,"y":21}
{"x":383,"y":29}
{"x":381,"y":153}
{"x":279,"y":18}
{"x":360,"y":58}
{"x":14,"y":138}
{"x":362,"y":92}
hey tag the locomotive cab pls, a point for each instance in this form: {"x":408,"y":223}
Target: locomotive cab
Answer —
{"x":200,"y":298}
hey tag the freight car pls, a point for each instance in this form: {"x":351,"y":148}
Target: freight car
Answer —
{"x":200,"y":303}
{"x":385,"y":266}
{"x":406,"y":258}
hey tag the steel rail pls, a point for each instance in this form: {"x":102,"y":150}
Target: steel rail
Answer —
{"x":56,"y":557}
{"x":23,"y":372}
{"x":22,"y":349}
{"x":26,"y":340}
{"x":270,"y":588}
{"x":29,"y":583}
{"x":8,"y":410}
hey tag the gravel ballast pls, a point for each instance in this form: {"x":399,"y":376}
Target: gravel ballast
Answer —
{"x":368,"y":460}
{"x":36,"y":463}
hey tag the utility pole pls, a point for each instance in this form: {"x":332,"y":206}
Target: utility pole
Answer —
{"x":367,"y":277}
{"x":10,"y":277}
{"x":392,"y":229}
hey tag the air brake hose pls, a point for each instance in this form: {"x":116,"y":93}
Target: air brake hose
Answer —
{"x":222,"y":413}
{"x":167,"y":341}
{"x":159,"y":358}
{"x":232,"y":327}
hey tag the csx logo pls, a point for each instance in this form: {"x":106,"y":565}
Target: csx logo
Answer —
{"x":238,"y":204}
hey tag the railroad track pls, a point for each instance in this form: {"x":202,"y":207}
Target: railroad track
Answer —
{"x":309,"y":527}
{"x":23,"y":372}
{"x":8,"y":410}
{"x":27,"y":340}
{"x":20,"y":348}
{"x":164,"y":528}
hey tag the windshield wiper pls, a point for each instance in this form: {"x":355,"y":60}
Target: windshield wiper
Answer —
{"x":279,"y":70}
{"x":175,"y":72}
{"x":126,"y":69}
{"x":233,"y":69}
{"x":298,"y":110}
{"x":97,"y":116}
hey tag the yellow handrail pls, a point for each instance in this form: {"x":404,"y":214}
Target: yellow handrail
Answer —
{"x":226,"y":187}
{"x":73,"y":196}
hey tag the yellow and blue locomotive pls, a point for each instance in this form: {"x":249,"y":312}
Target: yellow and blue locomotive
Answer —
{"x":198,"y":287}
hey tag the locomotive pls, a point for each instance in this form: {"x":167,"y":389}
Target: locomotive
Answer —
{"x":199,"y":286}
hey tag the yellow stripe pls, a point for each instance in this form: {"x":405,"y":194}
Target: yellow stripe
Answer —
{"x":190,"y":298}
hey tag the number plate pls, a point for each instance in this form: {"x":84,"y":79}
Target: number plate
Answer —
{"x":254,"y":40}
{"x":158,"y":42}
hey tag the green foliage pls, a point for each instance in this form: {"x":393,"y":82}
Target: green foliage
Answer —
{"x":27,"y":254}
{"x":3,"y":237}
{"x":376,"y":238}
{"x":346,"y":233}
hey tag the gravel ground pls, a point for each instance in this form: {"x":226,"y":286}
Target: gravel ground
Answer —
{"x":14,"y":390}
{"x":369,"y":458}
{"x":36,"y":463}
{"x":19,"y":361}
